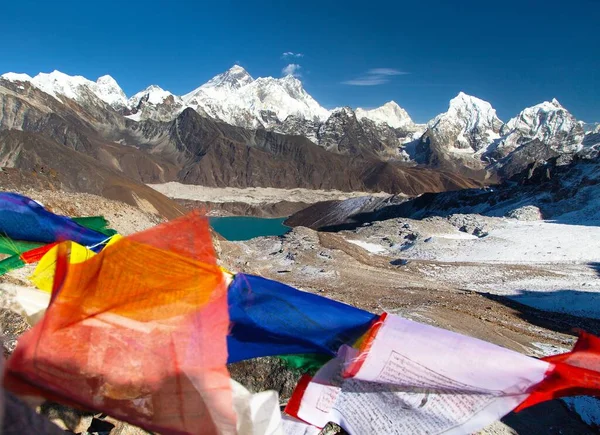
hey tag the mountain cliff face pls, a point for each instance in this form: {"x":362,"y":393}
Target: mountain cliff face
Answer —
{"x":345,"y":133}
{"x":34,"y":160}
{"x":216,"y":154}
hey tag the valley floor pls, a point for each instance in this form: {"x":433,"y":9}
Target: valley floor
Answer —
{"x":253,"y":201}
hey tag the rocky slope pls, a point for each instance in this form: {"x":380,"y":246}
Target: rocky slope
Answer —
{"x":344,"y":267}
{"x":31,"y":160}
{"x":553,"y":189}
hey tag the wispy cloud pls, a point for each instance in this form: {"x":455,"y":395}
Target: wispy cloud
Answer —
{"x":291,"y":54}
{"x":375,"y":76}
{"x":293,"y":69}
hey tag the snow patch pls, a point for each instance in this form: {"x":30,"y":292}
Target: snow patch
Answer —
{"x":135,"y":117}
{"x":457,"y":236}
{"x":371,"y":247}
{"x":549,"y":349}
{"x":520,"y":242}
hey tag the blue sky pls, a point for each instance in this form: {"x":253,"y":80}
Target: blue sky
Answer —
{"x":357,"y":53}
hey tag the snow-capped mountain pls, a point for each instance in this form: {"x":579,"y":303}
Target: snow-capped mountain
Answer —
{"x":548,"y":122}
{"x":390,"y":113}
{"x":222,"y":84}
{"x":78,"y":88}
{"x":154,"y":103}
{"x":469,"y":136}
{"x":470,"y":125}
{"x":236,"y":98}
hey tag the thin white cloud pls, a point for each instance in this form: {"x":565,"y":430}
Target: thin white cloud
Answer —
{"x":374,"y":77}
{"x":291,"y":54}
{"x":386,"y":72}
{"x":293,"y":69}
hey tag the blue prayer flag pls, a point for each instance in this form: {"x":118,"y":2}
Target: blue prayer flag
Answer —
{"x":269,"y":318}
{"x":22,"y":218}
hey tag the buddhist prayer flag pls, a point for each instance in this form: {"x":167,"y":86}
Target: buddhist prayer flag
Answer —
{"x":138,"y":332}
{"x":413,"y":378}
{"x":270,"y":318}
{"x":22,"y":218}
{"x":11,"y":247}
{"x":43,"y":276}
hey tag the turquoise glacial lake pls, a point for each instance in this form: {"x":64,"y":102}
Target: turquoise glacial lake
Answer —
{"x":246,"y":227}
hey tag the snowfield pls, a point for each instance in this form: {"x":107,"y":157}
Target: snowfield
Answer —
{"x":373,"y":248}
{"x":517,"y":242}
{"x":564,"y":264}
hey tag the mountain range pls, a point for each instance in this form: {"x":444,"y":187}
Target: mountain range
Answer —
{"x":239,"y":131}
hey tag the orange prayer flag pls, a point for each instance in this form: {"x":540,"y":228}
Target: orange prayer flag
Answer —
{"x":138,"y":332}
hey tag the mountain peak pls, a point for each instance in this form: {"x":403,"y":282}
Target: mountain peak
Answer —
{"x":549,"y":122}
{"x":392,"y":105}
{"x":16,"y":77}
{"x":344,"y":110}
{"x":107,"y":80}
{"x":469,"y":124}
{"x":291,"y":79}
{"x":234,"y":78}
{"x":390,"y":113}
{"x":153,"y":94}
{"x":153,"y":88}
{"x":109,"y":91}
{"x":463,"y":99}
{"x":59,"y":84}
{"x":237,"y":69}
